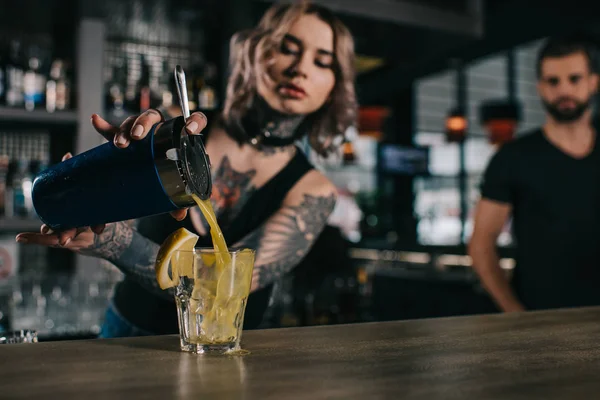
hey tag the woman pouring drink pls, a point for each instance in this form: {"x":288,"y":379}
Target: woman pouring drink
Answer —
{"x":291,"y":77}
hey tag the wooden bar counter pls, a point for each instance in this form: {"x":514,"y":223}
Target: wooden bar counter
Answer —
{"x":538,"y":355}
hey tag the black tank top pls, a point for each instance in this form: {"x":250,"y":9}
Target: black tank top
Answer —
{"x":158,"y":315}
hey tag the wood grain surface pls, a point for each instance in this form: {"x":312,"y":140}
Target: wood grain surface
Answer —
{"x":538,"y":355}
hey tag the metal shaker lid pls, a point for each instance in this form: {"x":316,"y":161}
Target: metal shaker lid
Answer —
{"x":192,"y":153}
{"x":195,"y":165}
{"x":181,"y":162}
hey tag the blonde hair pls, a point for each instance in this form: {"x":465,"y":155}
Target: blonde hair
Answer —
{"x":251,"y":54}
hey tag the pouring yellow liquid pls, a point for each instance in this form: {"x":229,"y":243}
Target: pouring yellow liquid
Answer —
{"x":213,"y":311}
{"x":221,"y":250}
{"x":222,"y":311}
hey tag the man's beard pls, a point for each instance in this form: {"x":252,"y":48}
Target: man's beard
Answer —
{"x":566,"y":115}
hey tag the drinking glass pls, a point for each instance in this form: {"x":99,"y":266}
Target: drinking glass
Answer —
{"x":211,"y":294}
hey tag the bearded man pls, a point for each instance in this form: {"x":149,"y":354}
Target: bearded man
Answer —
{"x":548,"y":181}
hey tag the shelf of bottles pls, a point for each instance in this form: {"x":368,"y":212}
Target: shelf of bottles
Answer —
{"x":39,"y":289}
{"x":22,"y":155}
{"x":145,"y":43}
{"x":35,"y":101}
{"x":35,"y":84}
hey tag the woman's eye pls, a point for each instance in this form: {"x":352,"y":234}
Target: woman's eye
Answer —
{"x":324,"y":63}
{"x":288,"y":49}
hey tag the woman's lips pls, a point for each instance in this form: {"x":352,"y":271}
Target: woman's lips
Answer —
{"x":292,"y":91}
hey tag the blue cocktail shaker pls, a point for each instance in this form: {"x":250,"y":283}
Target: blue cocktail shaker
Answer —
{"x":107,"y":184}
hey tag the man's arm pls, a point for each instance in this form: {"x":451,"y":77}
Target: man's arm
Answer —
{"x":490,"y":218}
{"x":287,"y":236}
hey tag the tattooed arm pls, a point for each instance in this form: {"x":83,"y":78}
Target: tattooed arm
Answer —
{"x":280,"y":243}
{"x":119,"y":243}
{"x":134,"y":254}
{"x":287,"y":236}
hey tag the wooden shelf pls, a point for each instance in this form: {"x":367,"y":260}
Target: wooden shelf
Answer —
{"x":19,"y":225}
{"x":37,"y":116}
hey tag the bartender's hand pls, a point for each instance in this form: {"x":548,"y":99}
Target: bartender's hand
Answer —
{"x":133,"y":128}
{"x":137,"y":127}
{"x":72,"y":239}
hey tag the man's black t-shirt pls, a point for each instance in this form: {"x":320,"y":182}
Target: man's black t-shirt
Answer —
{"x":556,"y":220}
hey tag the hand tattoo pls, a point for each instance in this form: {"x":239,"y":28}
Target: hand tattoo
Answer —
{"x":283,"y":241}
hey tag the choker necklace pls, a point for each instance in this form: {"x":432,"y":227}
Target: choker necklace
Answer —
{"x":267,"y":127}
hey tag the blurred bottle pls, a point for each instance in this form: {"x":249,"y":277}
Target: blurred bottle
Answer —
{"x":43,"y":153}
{"x":21,"y":157}
{"x":63,"y":89}
{"x":115,"y":97}
{"x":344,"y":307}
{"x":34,"y":83}
{"x":143,"y":94}
{"x":51,"y":92}
{"x":362,"y":278}
{"x":57,"y":88}
{"x":3,"y":65}
{"x":130,"y":85}
{"x":4,"y":160}
{"x":5,"y":307}
{"x":8,"y":148}
{"x":39,"y":159}
{"x":14,"y":75}
{"x":365,"y":290}
{"x":288,"y":314}
{"x":21,"y":187}
{"x":166,"y":96}
{"x":207,"y":95}
{"x":348,"y":153}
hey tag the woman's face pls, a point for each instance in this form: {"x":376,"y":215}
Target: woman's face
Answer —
{"x":302,"y":69}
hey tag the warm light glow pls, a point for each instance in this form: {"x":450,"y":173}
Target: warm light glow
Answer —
{"x":456,"y":124}
{"x":501,"y":130}
{"x":372,"y":118}
{"x":348,"y":149}
{"x":456,"y":128}
{"x":363,"y":63}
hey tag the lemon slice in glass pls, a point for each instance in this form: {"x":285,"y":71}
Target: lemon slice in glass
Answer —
{"x":181,"y":239}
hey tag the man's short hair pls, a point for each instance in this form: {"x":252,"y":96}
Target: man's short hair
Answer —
{"x":562,"y":46}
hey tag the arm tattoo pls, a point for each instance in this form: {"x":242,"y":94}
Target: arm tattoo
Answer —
{"x":132,"y":253}
{"x":112,"y":242}
{"x":283,"y":241}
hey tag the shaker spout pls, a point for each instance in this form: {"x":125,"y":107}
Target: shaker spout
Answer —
{"x":195,"y":161}
{"x":182,"y":163}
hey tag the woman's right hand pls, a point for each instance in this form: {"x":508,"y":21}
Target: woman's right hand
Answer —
{"x":72,"y":239}
{"x":137,"y":127}
{"x":133,"y":128}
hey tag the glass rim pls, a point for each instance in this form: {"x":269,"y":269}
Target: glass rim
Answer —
{"x":204,"y":250}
